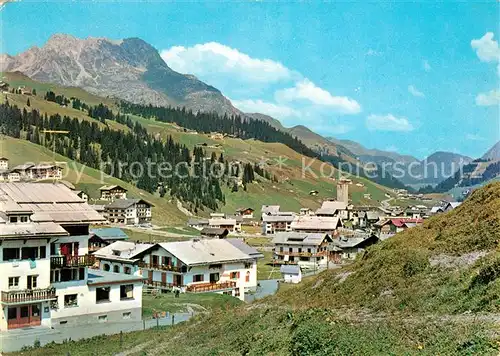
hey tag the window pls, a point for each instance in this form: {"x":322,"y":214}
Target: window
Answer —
{"x":81,"y":273}
{"x":248,"y":265}
{"x":281,"y":249}
{"x":247,"y":277}
{"x":290,"y":249}
{"x":29,"y":253}
{"x":12,"y":313}
{"x":127,"y":291}
{"x":32,"y":282}
{"x":127,"y":270}
{"x":106,"y":267}
{"x":13,"y":282}
{"x":11,"y":254}
{"x":309,"y":250}
{"x":102,"y":294}
{"x":235,"y":275}
{"x":24,"y":219}
{"x":300,"y":249}
{"x":198,"y":278}
{"x":43,"y":252}
{"x":13,"y":219}
{"x":127,"y":315}
{"x":63,"y":322}
{"x":102,"y":318}
{"x":214,"y":277}
{"x":70,"y":300}
{"x":116,"y":269}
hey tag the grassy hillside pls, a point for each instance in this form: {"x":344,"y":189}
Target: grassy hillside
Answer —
{"x":87,"y":179}
{"x":291,"y":190}
{"x":430,"y":290}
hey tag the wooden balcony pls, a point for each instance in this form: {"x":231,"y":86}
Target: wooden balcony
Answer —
{"x":159,"y":267}
{"x":283,"y":262}
{"x":72,"y":261}
{"x":211,"y":287}
{"x":159,"y":284}
{"x":28,"y":295}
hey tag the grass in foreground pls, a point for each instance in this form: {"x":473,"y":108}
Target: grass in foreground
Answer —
{"x":186,"y":302}
{"x":286,"y":332}
{"x":265,"y":270}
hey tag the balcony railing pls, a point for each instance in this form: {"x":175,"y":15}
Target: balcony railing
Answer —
{"x":283,"y":262}
{"x":72,"y":261}
{"x":159,"y":284}
{"x":301,"y":254}
{"x":28,"y":295}
{"x":160,"y":267}
{"x":211,"y":287}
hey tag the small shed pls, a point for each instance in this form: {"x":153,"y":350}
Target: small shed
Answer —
{"x":291,"y":273}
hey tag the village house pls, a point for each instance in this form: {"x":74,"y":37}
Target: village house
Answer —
{"x":389,"y":227}
{"x":270,"y":210}
{"x":417,"y":212}
{"x":197,"y":224}
{"x":128,"y":212}
{"x":225,"y":266}
{"x":231,"y":224}
{"x":436,"y":210}
{"x":82,"y":195}
{"x":46,"y":280}
{"x":310,"y":250}
{"x":333,"y":208}
{"x":103,"y":237}
{"x":44,"y":171}
{"x":349,"y":247}
{"x":291,"y":273}
{"x":112,"y":192}
{"x":313,"y":223}
{"x":277,"y":222}
{"x":245,"y":213}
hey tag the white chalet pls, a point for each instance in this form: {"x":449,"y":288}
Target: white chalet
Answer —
{"x":44,"y":262}
{"x":226,"y":266}
{"x":128,"y":211}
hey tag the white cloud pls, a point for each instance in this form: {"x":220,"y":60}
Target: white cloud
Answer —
{"x":426,"y":65}
{"x":488,"y":99}
{"x":264,"y":107}
{"x":474,"y":137}
{"x":372,"y":52}
{"x":307,"y":90}
{"x":215,"y":58}
{"x":415,"y":92}
{"x":486,"y":48}
{"x":388,"y":122}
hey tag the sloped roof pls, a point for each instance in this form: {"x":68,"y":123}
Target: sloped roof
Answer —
{"x":112,"y":186}
{"x":290,"y":269}
{"x":221,"y":221}
{"x":270,"y":209}
{"x":125,"y":203}
{"x":242,"y":246}
{"x":299,"y":238}
{"x":277,"y":218}
{"x":49,"y":203}
{"x":201,"y":252}
{"x":123,"y":251}
{"x":110,"y":233}
{"x":307,"y":222}
{"x":32,"y":230}
{"x":193,"y":221}
{"x":330,"y":207}
{"x":213,"y":231}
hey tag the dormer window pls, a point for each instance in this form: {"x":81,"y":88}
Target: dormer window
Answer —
{"x":13,"y":219}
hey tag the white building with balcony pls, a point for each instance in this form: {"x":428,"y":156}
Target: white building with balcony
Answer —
{"x":44,"y":262}
{"x":227,"y":266}
{"x":128,"y":212}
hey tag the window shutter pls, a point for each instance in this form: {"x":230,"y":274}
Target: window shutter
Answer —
{"x":238,"y":275}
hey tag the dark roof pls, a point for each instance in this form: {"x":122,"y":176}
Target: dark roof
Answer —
{"x":242,"y":246}
{"x":211,"y":231}
{"x":290,"y":269}
{"x":110,"y":233}
{"x":125,"y":203}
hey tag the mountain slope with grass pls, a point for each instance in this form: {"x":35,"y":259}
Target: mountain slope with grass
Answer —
{"x":430,"y":290}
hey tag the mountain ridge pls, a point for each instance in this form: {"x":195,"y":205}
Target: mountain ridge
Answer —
{"x":129,"y":69}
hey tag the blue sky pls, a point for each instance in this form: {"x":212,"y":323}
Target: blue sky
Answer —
{"x":411,"y":77}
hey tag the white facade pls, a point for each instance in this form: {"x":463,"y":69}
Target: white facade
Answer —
{"x":4,"y":163}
